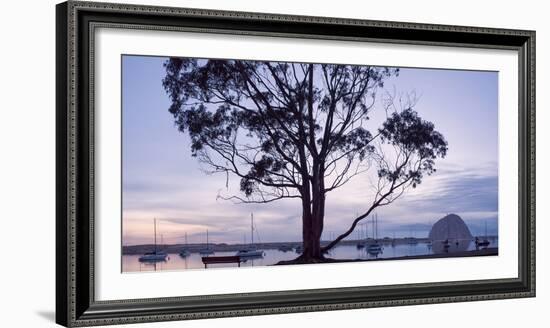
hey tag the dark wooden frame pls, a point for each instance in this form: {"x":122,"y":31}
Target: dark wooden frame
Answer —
{"x":75,"y":303}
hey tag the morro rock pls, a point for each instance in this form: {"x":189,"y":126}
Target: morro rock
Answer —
{"x":450,"y":227}
{"x":450,"y":234}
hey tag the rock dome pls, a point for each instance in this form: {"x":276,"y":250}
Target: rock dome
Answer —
{"x":450,"y":227}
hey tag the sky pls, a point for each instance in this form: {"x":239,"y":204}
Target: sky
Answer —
{"x":161,"y":180}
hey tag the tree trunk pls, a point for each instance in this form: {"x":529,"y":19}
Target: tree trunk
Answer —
{"x":313,"y":221}
{"x":312,"y":247}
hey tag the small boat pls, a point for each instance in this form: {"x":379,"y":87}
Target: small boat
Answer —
{"x":412,"y":241}
{"x":184,"y":252}
{"x":429,"y":243}
{"x":284,"y":248}
{"x":206,"y":251}
{"x":374,"y":248}
{"x":485,"y":242}
{"x":482,"y":243}
{"x":156,"y":255}
{"x":362,"y":236}
{"x":251,"y":251}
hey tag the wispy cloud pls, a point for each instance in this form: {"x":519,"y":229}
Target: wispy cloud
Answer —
{"x":470,"y":193}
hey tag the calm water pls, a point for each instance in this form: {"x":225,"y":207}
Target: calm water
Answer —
{"x":130,"y":263}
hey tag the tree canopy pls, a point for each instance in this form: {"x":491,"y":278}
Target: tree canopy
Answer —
{"x":292,"y":130}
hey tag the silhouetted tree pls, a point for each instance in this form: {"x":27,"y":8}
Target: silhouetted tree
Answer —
{"x":291,"y":130}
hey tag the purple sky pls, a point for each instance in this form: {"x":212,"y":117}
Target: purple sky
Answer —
{"x":162,"y":180}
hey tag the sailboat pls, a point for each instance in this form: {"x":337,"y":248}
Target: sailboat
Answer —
{"x":375,"y":248}
{"x":361,"y":242}
{"x":284,"y":248}
{"x":412,"y":239}
{"x":485,"y":242}
{"x":429,"y":243}
{"x":206,"y":251}
{"x":251,"y":251}
{"x":184,"y":251}
{"x":156,"y":255}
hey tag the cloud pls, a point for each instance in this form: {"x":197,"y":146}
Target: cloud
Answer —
{"x":471,"y":193}
{"x":459,"y":189}
{"x":193,"y":208}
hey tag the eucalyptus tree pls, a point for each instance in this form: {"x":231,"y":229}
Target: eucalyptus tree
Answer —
{"x":293,"y":130}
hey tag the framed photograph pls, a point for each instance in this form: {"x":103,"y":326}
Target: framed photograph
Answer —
{"x":215,"y":164}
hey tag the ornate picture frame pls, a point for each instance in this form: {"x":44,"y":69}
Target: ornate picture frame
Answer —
{"x":76,"y":302}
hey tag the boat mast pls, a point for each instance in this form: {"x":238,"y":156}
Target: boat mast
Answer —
{"x":373,"y":228}
{"x":155,"y":230}
{"x":252,"y":228}
{"x":360,"y":230}
{"x":207,"y":239}
{"x":377,"y":226}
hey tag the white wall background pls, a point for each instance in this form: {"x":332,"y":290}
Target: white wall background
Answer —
{"x":27,"y":162}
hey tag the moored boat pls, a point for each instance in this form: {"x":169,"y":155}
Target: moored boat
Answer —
{"x":184,"y":252}
{"x":251,"y":251}
{"x":375,"y":247}
{"x":156,"y":255}
{"x":485,"y":242}
{"x":206,"y":251}
{"x":285,"y":248}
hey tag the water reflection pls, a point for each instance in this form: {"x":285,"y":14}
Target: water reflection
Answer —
{"x":130,"y":263}
{"x":452,"y":246}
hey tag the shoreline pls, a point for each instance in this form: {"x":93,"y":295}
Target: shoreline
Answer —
{"x":222,"y":247}
{"x":491,"y":251}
